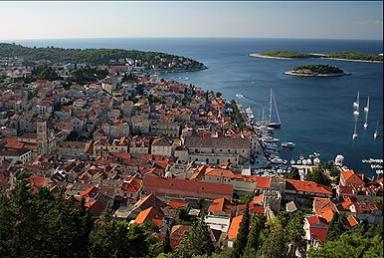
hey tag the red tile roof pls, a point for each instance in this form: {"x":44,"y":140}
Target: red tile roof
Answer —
{"x":218,"y":172}
{"x":352,"y":221}
{"x":315,"y":220}
{"x":345,"y":190}
{"x":350,"y":178}
{"x":327,"y":214}
{"x":186,"y":187}
{"x":132,"y":185}
{"x":177,"y":204}
{"x":39,"y":181}
{"x":262,"y":181}
{"x":177,"y":233}
{"x":319,"y":233}
{"x":148,"y":214}
{"x":220,"y":205}
{"x":307,"y":187}
{"x":234,"y":227}
{"x":256,"y":209}
{"x":324,"y":207}
{"x":346,"y":203}
{"x":89,"y":192}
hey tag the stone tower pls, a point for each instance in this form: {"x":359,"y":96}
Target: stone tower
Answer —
{"x":42,"y":136}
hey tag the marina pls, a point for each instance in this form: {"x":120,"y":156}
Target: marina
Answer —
{"x":267,"y":154}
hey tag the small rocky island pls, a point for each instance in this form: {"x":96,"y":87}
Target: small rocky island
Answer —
{"x":316,"y":70}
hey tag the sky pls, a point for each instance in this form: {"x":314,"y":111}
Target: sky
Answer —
{"x":57,"y":20}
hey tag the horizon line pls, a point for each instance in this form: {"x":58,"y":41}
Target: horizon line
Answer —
{"x":187,"y":37}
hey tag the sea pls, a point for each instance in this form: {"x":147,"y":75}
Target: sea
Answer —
{"x":316,"y":113}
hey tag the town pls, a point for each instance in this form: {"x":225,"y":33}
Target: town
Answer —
{"x":126,"y":144}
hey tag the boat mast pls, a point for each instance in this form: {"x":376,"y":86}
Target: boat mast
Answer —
{"x":277,"y":111}
{"x":262,"y":115}
{"x":366,"y":110}
{"x":270,"y":106}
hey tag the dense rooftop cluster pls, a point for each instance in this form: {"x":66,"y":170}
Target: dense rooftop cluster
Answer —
{"x":131,"y":147}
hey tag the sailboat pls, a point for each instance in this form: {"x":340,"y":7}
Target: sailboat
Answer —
{"x":366,"y":110}
{"x":356,"y":104}
{"x":354,"y":135}
{"x":376,"y":133}
{"x":273,"y":104}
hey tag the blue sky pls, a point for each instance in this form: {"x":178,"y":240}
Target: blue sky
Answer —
{"x":43,"y":20}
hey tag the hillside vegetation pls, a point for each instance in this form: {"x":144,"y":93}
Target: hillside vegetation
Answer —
{"x":318,"y":68}
{"x":149,"y":60}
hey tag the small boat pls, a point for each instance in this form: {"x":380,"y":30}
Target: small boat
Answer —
{"x":288,"y":145}
{"x":277,"y":160}
{"x":376,"y":133}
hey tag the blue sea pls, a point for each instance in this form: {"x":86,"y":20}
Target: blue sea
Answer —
{"x":316,"y":113}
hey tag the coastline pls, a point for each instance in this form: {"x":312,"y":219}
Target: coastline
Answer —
{"x":315,"y":55}
{"x":293,"y":73}
{"x":257,"y":55}
{"x":351,"y":60}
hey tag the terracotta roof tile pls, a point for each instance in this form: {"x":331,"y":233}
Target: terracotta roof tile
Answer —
{"x":220,"y":205}
{"x":350,"y":178}
{"x":180,"y":186}
{"x":319,"y":233}
{"x":307,"y":187}
{"x":148,"y":214}
{"x":234,"y":227}
{"x":352,"y":221}
{"x":177,"y":204}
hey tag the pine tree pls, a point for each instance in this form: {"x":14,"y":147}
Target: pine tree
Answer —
{"x":41,"y":224}
{"x":241,"y":240}
{"x":336,"y":228}
{"x":167,"y":242}
{"x":197,"y":241}
{"x":295,"y":231}
{"x":253,"y":237}
{"x":274,"y":244}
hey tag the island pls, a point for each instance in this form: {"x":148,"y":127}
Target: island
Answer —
{"x":351,"y":56}
{"x":280,"y":54}
{"x":147,"y":60}
{"x":341,"y":55}
{"x":316,"y":70}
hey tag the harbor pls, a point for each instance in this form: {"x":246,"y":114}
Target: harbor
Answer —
{"x":268,"y":148}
